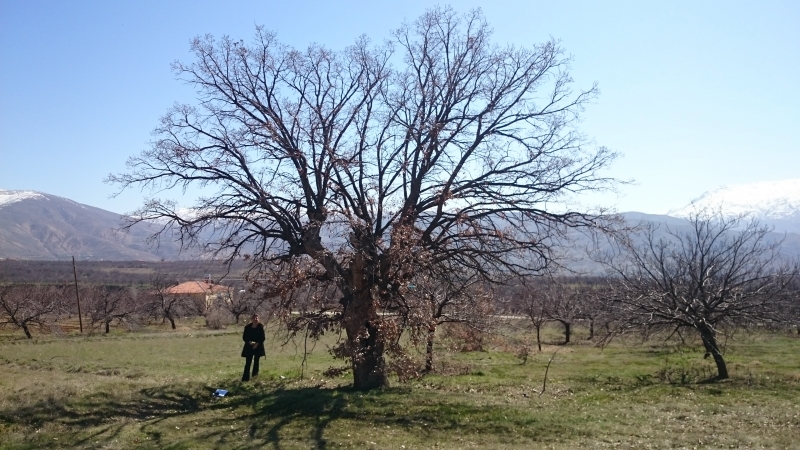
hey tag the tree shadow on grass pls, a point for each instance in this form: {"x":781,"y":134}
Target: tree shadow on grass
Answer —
{"x":104,"y":415}
{"x":314,"y":411}
{"x":255,"y":416}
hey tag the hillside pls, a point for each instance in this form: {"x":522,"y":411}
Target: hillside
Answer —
{"x":38,"y":226}
{"x":34,"y":225}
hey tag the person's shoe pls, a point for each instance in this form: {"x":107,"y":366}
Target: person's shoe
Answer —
{"x":245,"y":379}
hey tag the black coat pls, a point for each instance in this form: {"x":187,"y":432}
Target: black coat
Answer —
{"x":256,"y":335}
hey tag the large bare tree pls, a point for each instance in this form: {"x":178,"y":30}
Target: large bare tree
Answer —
{"x":348,"y":163}
{"x":717,"y":272}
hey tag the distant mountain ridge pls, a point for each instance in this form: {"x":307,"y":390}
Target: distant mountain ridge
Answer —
{"x":790,"y":241}
{"x":39,"y":226}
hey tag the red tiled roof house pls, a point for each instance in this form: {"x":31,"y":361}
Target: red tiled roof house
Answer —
{"x":203,"y":293}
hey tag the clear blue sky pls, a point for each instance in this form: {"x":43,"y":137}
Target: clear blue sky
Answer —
{"x":694,"y":94}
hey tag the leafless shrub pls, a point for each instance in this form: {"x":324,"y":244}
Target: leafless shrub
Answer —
{"x":334,"y":372}
{"x":522,"y":353}
{"x":218,"y":319}
{"x":465,"y":338}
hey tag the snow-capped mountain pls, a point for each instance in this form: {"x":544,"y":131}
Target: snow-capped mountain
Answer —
{"x":35,"y":225}
{"x":775,"y":203}
{"x":9,"y":197}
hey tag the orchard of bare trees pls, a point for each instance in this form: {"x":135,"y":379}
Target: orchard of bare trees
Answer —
{"x":386,"y":191}
{"x":565,"y":301}
{"x":48,"y":308}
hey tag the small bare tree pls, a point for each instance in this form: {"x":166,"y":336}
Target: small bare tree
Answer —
{"x":162,"y":305}
{"x":564,"y":304}
{"x":107,"y":304}
{"x":791,"y":303}
{"x":530,"y":298}
{"x":242,"y":303}
{"x":28,"y":306}
{"x":594,"y":308}
{"x":719,"y":272}
{"x":439,"y":294}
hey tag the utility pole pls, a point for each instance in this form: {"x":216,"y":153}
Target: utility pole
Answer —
{"x":77,"y":297}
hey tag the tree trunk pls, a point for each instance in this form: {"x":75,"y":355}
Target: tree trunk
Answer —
{"x":539,"y":337}
{"x":710,"y":343}
{"x":429,"y":349}
{"x":364,"y":335}
{"x":591,"y":330}
{"x":172,"y":322}
{"x":107,"y":326}
{"x":27,"y":331}
{"x":567,"y":331}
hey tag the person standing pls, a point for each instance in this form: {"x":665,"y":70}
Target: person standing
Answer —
{"x":253,"y":337}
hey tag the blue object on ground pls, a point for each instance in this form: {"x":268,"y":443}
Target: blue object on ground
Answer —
{"x":220,"y":393}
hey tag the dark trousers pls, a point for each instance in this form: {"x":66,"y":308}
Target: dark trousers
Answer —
{"x":247,"y":361}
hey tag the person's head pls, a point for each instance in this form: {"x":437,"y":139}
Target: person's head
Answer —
{"x":254,"y":319}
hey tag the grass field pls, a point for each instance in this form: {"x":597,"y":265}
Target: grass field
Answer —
{"x":152,"y":389}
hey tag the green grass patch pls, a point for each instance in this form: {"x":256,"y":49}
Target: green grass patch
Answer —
{"x":154,"y":390}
